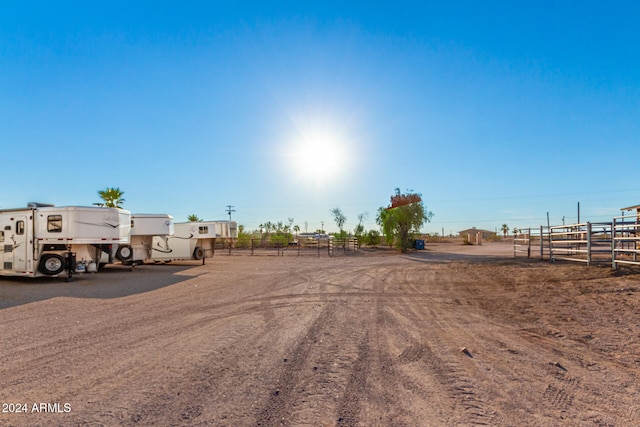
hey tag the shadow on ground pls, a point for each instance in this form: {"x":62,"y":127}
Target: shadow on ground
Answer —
{"x":111,"y":282}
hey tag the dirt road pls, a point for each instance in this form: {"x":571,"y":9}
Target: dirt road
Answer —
{"x":447,"y":336}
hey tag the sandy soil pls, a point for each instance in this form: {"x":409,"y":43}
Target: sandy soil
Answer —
{"x":453,"y":335}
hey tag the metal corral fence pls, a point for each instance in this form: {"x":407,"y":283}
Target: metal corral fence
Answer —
{"x":586,"y":242}
{"x":346,"y":246}
{"x":532,"y":241}
{"x":626,"y":242}
{"x":287,"y":247}
{"x":616,"y":242}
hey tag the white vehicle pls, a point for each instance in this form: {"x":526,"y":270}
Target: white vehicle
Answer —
{"x":192,"y":240}
{"x":45,"y":240}
{"x":144,"y":228}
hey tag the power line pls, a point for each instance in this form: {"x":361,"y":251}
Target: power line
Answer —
{"x":229,"y":210}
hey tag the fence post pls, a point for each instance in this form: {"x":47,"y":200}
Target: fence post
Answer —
{"x":551,"y":244}
{"x":588,"y":243}
{"x":541,"y":244}
{"x":613,"y":245}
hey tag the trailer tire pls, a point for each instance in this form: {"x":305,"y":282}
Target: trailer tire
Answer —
{"x":52,"y":264}
{"x":124,"y":253}
{"x":198,"y":253}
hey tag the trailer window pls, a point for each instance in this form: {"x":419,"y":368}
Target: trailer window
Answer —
{"x":19,"y":227}
{"x":54,"y":223}
{"x":1,"y":236}
{"x":203,"y":229}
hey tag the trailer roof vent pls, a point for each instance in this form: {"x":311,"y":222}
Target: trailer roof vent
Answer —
{"x":39,"y":205}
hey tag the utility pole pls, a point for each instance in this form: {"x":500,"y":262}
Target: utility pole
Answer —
{"x":229,"y":210}
{"x":578,"y":212}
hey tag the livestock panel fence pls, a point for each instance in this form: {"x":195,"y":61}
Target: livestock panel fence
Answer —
{"x":529,"y":241}
{"x":316,"y":247}
{"x":587,"y":242}
{"x":626,"y":241}
{"x":616,"y":242}
{"x":336,"y":246}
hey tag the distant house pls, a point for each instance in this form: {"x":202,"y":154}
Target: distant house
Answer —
{"x":473,"y":231}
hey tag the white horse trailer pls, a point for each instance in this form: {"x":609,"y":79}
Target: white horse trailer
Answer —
{"x":192,"y":240}
{"x":226,"y":229}
{"x":45,"y":240}
{"x":144,"y":228}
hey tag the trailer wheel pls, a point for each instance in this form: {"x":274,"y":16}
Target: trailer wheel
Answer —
{"x":124,"y":253}
{"x":198,"y":253}
{"x":51,"y":264}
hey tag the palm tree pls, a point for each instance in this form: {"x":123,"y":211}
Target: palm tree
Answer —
{"x":112,"y":197}
{"x":193,"y":218}
{"x":505,"y":229}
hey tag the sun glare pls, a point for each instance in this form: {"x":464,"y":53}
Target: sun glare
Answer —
{"x":318,"y":159}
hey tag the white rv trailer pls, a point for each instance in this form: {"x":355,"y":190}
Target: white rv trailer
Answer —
{"x":144,"y":227}
{"x":45,"y":240}
{"x":192,"y":240}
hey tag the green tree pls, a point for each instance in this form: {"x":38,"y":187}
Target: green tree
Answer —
{"x":339,"y":218}
{"x":112,"y":197}
{"x":359,"y":230}
{"x":194,"y":218}
{"x":244,"y":238}
{"x":505,"y":229}
{"x":404,"y":216}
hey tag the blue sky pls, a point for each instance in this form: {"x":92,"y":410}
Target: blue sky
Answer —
{"x":496,"y":112}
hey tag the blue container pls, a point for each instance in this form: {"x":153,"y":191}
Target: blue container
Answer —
{"x":418,"y":244}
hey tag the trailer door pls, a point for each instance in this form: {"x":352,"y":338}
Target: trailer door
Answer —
{"x":20,"y":239}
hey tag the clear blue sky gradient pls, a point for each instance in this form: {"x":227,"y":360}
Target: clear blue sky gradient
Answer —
{"x":495,"y":111}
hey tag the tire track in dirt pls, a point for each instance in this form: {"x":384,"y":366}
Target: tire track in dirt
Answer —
{"x":388,"y":387}
{"x":328,"y":366}
{"x":349,"y":408}
{"x":550,"y":364}
{"x":459,"y":397}
{"x":313,"y":378}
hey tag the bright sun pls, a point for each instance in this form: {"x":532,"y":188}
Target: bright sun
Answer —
{"x":318,"y":158}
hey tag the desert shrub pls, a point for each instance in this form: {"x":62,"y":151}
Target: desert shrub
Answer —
{"x":341,"y":235}
{"x":372,"y":238}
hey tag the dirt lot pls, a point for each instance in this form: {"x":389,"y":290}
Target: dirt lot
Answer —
{"x":453,"y":335}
